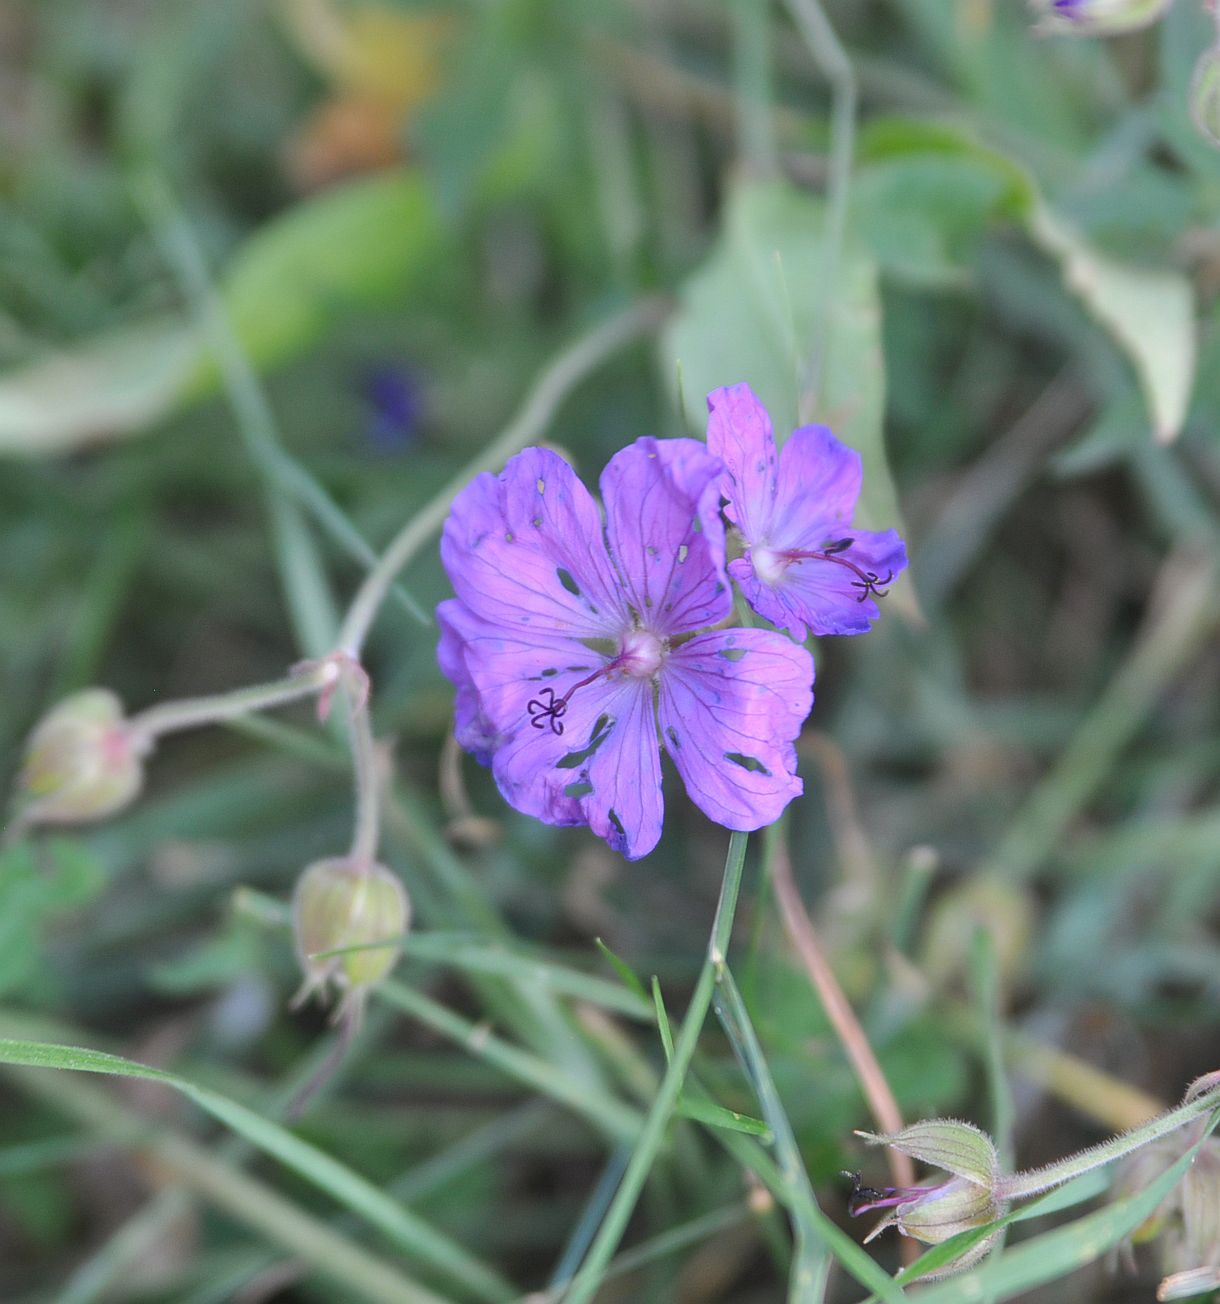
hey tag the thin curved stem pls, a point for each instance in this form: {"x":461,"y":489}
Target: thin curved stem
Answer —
{"x":553,"y":386}
{"x":588,"y":1279}
{"x":367,"y":826}
{"x":194,"y":711}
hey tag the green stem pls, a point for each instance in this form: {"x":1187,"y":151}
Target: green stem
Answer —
{"x":367,"y":824}
{"x":587,"y":1280}
{"x":752,"y":92}
{"x":1021,"y":1186}
{"x":553,"y":386}
{"x":194,"y":711}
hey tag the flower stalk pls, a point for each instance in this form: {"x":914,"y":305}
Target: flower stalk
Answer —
{"x":305,"y":680}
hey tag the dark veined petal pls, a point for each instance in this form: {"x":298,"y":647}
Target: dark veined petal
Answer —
{"x":731,"y":705}
{"x":526,"y":549}
{"x":819,"y":482}
{"x":739,"y":434}
{"x":605,"y":770}
{"x":663,"y":525}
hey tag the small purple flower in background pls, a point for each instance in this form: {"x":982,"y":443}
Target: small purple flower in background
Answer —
{"x":394,"y":396}
{"x":570,"y":645}
{"x":805,"y":569}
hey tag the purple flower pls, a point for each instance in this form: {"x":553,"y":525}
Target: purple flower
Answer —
{"x":569,"y":643}
{"x":805,"y":569}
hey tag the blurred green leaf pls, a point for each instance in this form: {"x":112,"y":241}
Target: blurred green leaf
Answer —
{"x":215,"y":963}
{"x":357,"y":245}
{"x":1149,"y":312}
{"x":751,"y":313}
{"x":32,"y":894}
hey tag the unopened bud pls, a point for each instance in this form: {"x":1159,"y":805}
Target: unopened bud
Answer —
{"x":339,"y":905}
{"x":82,"y":762}
{"x":1205,"y":95}
{"x":1097,"y":17}
{"x":935,"y":1212}
{"x":959,"y":1148}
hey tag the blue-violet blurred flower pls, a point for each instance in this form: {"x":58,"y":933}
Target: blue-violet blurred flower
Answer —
{"x":570,"y":644}
{"x":805,"y":568}
{"x":395,"y":398}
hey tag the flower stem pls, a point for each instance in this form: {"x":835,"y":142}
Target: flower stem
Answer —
{"x":588,"y":1279}
{"x":553,"y":386}
{"x":194,"y":711}
{"x":367,"y":827}
{"x":1021,"y":1186}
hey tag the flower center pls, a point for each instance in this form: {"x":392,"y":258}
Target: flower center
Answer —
{"x":640,"y":655}
{"x":770,"y":564}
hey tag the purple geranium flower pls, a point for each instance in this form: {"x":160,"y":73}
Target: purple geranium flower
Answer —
{"x":570,"y":647}
{"x":805,"y":566}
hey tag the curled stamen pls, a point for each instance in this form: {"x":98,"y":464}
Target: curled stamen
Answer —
{"x":546,"y":709}
{"x":869,"y":583}
{"x":544,"y":713}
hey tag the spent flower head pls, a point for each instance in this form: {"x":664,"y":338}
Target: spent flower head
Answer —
{"x":580,"y":649}
{"x":806,"y":568}
{"x":340,"y":903}
{"x":82,"y":762}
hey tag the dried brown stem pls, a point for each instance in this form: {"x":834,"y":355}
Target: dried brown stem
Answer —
{"x":881,"y":1102}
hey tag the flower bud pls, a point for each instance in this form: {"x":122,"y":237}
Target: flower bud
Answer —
{"x":82,"y":762}
{"x":936,"y":1212}
{"x":339,"y":904}
{"x":1098,"y":17}
{"x":1205,"y":95}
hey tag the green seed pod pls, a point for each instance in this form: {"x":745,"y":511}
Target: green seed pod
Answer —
{"x":81,"y":762}
{"x":1205,"y":95}
{"x":339,"y":904}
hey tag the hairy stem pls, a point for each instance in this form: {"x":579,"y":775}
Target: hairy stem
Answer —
{"x":1036,"y":1180}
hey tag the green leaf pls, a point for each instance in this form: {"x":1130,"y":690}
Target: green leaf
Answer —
{"x":703,"y":1111}
{"x":623,"y":969}
{"x":356,"y":245}
{"x":753,"y":313}
{"x":410,"y":1233}
{"x":109,"y":386}
{"x":1150,"y":313}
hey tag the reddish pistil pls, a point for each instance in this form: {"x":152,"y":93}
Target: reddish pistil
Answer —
{"x":868,"y":582}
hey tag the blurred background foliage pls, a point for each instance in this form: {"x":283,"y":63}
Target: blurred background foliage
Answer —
{"x":254,"y":256}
